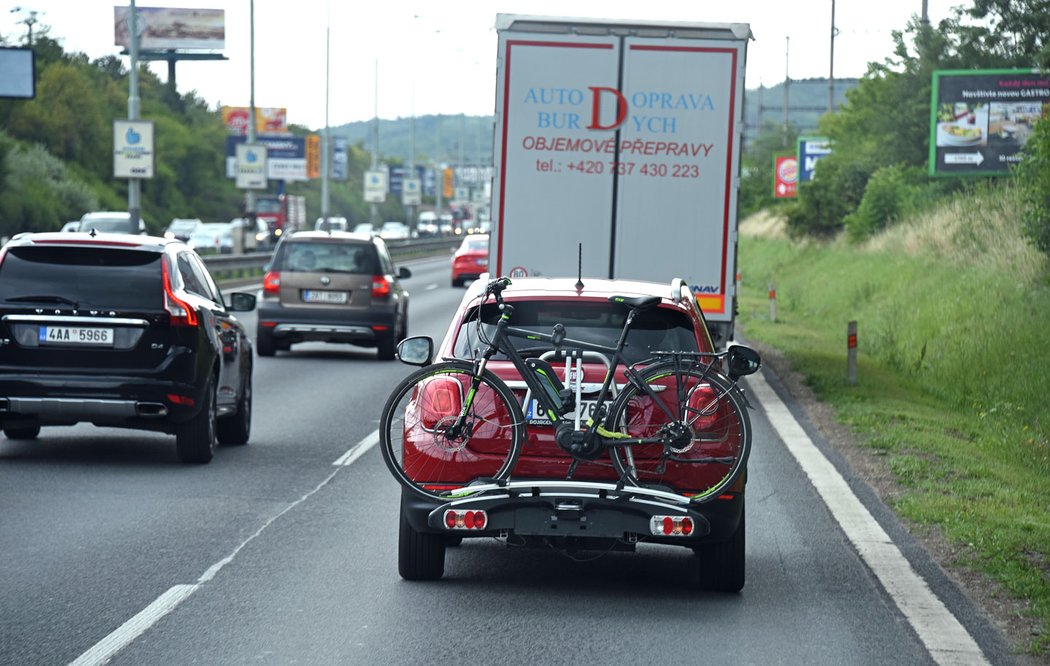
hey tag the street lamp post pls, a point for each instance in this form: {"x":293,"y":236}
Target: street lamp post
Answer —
{"x":134,"y":184}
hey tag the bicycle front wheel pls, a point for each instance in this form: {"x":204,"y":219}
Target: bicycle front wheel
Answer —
{"x":438,"y":438}
{"x":700,"y":416}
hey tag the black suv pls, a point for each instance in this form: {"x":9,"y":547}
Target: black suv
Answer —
{"x":332,"y":287}
{"x":122,"y":331}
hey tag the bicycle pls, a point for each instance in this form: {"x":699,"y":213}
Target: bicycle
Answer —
{"x":453,"y":429}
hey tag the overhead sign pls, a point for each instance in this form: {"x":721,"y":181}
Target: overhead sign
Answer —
{"x":785,"y":176}
{"x":810,"y":150}
{"x":375,"y":186}
{"x":251,"y":166}
{"x":981,"y":119}
{"x":268,"y":120}
{"x":286,"y":156}
{"x":133,"y":155}
{"x":163,"y":28}
{"x":17,"y":73}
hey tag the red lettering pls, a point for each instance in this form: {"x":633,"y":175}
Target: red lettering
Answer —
{"x":621,"y":108}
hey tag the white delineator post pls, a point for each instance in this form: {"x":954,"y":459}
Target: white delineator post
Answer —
{"x":851,"y":352}
{"x":773,"y":303}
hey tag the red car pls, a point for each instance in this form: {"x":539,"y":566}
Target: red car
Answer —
{"x":471,"y":259}
{"x":585,"y":518}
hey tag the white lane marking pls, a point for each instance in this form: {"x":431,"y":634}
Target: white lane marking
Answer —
{"x":358,"y":449}
{"x":946,"y":639}
{"x":431,"y":287}
{"x":126,"y":633}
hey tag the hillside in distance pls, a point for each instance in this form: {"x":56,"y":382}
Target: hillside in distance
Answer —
{"x":463,"y":139}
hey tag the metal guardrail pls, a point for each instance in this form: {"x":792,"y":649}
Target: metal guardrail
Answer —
{"x":228,"y":269}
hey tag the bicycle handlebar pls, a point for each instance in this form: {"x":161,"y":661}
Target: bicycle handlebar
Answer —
{"x":496,"y":287}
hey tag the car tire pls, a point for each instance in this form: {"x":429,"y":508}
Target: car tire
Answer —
{"x":195,"y":439}
{"x":420,"y":556}
{"x":386,"y":346}
{"x":236,"y":428}
{"x":264,"y":343}
{"x":457,"y":283}
{"x":21,"y":432}
{"x":722,"y":564}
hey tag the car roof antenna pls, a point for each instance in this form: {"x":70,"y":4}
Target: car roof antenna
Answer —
{"x":579,"y":267}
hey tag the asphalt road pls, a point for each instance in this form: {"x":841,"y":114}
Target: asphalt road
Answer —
{"x":271,"y":554}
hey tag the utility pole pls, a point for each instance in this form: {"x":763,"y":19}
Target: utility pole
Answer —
{"x":787,"y":82}
{"x":134,"y":184}
{"x":375,"y":138}
{"x":831,"y":61}
{"x":249,"y":195}
{"x":325,"y":142}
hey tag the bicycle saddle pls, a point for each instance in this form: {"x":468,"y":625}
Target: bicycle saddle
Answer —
{"x":636,"y":302}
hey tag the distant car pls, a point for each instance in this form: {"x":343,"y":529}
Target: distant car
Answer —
{"x":364,"y":228}
{"x":72,"y":225}
{"x":257,"y":240}
{"x":332,"y":224}
{"x":471,"y":259}
{"x":182,"y":228}
{"x":332,"y":287}
{"x":427,"y":224}
{"x":212,"y":238}
{"x":124,"y":331}
{"x":109,"y":222}
{"x":395,"y":231}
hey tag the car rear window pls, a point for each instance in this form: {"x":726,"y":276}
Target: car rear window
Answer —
{"x":329,"y":257}
{"x":658,"y":329}
{"x":90,"y":276}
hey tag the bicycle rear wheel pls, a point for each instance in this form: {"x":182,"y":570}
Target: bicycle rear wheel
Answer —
{"x":705,"y":418}
{"x":433,"y":453}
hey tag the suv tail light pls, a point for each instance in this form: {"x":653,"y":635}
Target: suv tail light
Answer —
{"x":439,"y":399}
{"x":181,"y":312}
{"x":380,"y":286}
{"x":272,"y":283}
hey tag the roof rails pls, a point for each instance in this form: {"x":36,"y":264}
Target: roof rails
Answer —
{"x":677,"y":286}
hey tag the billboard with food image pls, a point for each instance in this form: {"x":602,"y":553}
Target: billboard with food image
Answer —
{"x":981,"y":119}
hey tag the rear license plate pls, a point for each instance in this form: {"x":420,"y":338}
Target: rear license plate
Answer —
{"x":75,"y":335}
{"x":536,"y":415}
{"x":483,"y":262}
{"x":317,"y":296}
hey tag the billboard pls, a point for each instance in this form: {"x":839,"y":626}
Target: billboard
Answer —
{"x":133,"y":155}
{"x":163,"y":28}
{"x":981,"y":119}
{"x":268,"y":120}
{"x":785,"y":176}
{"x":810,"y":150}
{"x":285,"y":156}
{"x":17,"y":73}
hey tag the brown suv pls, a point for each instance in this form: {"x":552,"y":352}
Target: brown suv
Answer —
{"x":332,"y":287}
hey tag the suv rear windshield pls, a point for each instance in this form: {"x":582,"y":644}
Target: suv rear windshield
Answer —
{"x":327,"y":257}
{"x":89,"y":276}
{"x":658,"y":329}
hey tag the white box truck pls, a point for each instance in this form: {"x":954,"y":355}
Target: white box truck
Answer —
{"x":617,"y":153}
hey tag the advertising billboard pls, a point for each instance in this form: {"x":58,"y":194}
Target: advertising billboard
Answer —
{"x":17,"y":73}
{"x":285,"y":156}
{"x":785,"y":176}
{"x":810,"y":150}
{"x":268,"y":120}
{"x":133,"y":155}
{"x":164,"y":28}
{"x":981,"y":119}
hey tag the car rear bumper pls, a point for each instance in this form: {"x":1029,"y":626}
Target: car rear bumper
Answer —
{"x":582,"y":510}
{"x":314,"y":325}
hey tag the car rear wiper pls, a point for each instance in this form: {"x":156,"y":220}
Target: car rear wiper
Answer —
{"x":43,"y":299}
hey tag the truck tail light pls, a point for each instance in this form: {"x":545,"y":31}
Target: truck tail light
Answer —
{"x":439,"y":399}
{"x":380,"y":286}
{"x":272,"y":283}
{"x":465,"y":520}
{"x":182,"y":314}
{"x":679,"y":526}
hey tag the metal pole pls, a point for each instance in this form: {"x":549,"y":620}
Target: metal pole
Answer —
{"x":831,"y":63}
{"x":327,"y":130}
{"x":787,"y":82}
{"x":375,"y":137}
{"x":134,"y":184}
{"x":249,"y":195}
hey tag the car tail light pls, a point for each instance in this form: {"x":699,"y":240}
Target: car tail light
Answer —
{"x":465,"y":520}
{"x":703,"y":405}
{"x":439,"y":399}
{"x":182,"y":314}
{"x":679,"y":526}
{"x":272,"y":283}
{"x":380,"y":286}
{"x":177,"y":399}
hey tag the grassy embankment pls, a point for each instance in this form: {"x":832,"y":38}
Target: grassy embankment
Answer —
{"x":953,"y":390}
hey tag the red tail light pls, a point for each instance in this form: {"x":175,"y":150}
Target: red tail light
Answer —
{"x":440,"y":398}
{"x":465,"y":520}
{"x":671,"y":525}
{"x":182,"y":314}
{"x":272,"y":283}
{"x":380,"y":286}
{"x":703,"y":405}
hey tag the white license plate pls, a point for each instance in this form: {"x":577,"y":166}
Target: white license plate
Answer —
{"x":536,"y":415}
{"x":483,"y":262}
{"x":317,"y":296}
{"x":75,"y":335}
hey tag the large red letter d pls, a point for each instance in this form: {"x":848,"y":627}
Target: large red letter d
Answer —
{"x":621,"y":108}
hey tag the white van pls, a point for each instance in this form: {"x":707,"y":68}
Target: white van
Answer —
{"x":332,"y":224}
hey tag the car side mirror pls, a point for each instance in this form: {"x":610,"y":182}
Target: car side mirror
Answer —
{"x":417,"y":350}
{"x":241,"y":302}
{"x":403,"y":272}
{"x":743,"y":361}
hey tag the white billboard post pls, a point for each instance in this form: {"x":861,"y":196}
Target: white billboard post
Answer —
{"x":133,"y":155}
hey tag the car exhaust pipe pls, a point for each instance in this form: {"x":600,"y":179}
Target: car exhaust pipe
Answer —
{"x":152,"y":409}
{"x":5,"y":405}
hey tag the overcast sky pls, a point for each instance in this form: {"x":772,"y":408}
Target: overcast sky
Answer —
{"x":440,"y":57}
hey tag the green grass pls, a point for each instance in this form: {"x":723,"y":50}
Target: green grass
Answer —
{"x":953,"y":315}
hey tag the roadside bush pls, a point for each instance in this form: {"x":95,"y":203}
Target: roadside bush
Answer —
{"x":38,"y":194}
{"x":835,"y":192}
{"x":891,"y":193}
{"x":1033,"y":178}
